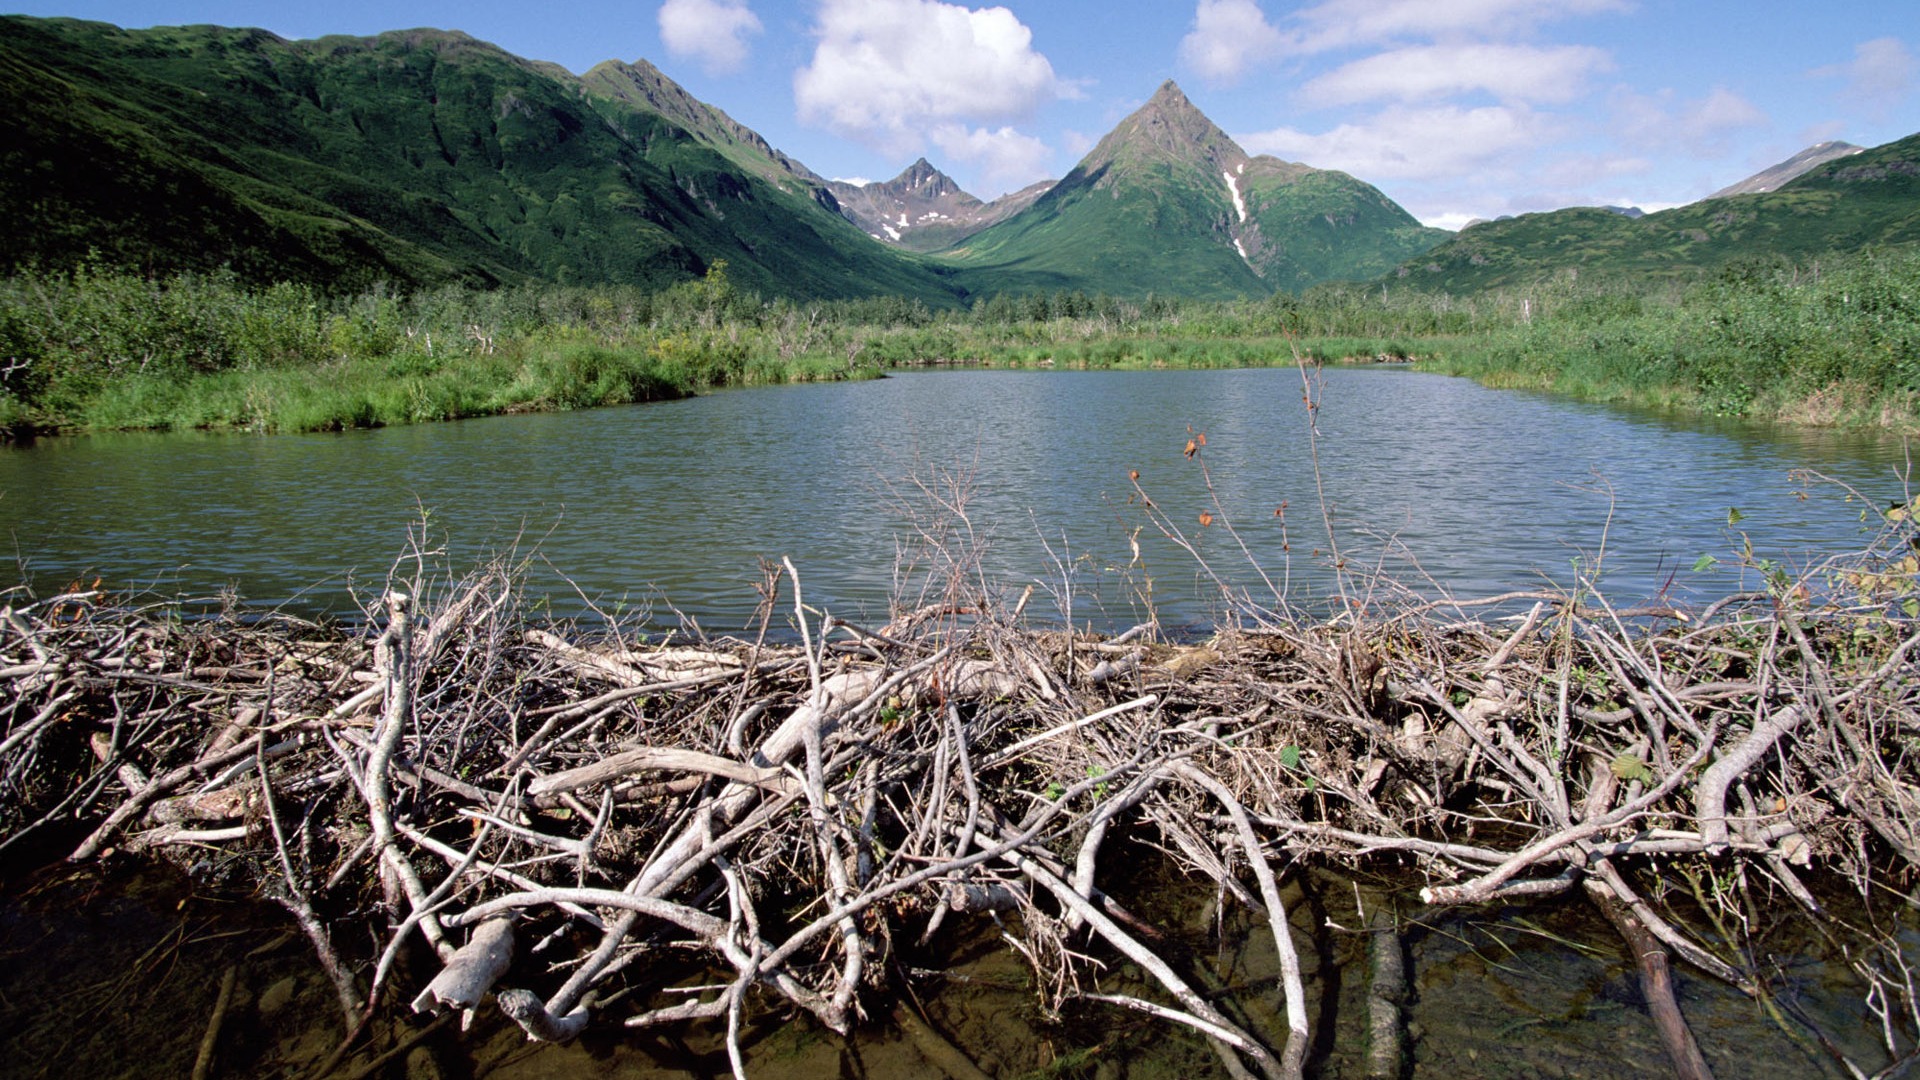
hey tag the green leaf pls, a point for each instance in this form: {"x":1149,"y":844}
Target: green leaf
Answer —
{"x":1629,"y":767}
{"x":1704,"y":563}
{"x":1290,"y":756}
{"x":1734,"y":516}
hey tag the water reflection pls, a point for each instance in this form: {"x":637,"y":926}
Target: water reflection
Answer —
{"x":1479,"y":490}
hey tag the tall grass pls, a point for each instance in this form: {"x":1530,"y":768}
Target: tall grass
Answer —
{"x":1837,"y":345}
{"x":97,"y":349}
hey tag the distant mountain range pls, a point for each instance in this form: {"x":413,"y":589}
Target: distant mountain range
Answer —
{"x":1861,"y":199}
{"x":922,"y":209}
{"x":424,"y":156}
{"x":414,"y":157}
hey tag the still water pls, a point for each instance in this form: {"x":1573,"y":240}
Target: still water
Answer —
{"x":1445,"y":484}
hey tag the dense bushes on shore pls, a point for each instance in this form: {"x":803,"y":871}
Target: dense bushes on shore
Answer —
{"x":100,"y":349}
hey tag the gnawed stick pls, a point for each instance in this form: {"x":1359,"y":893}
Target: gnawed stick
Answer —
{"x":661,"y":758}
{"x":472,"y":971}
{"x":1293,"y":1059}
{"x":1199,"y":1013}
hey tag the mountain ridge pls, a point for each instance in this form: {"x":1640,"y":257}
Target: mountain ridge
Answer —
{"x":924,"y":209}
{"x":425,"y":156}
{"x":414,"y":156}
{"x":1167,"y":170}
{"x":1773,"y":176}
{"x":1860,"y":200}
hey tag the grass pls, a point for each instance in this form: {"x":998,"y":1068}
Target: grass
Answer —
{"x":1836,"y":343}
{"x":357,"y":393}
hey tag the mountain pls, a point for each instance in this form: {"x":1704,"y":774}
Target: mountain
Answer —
{"x":1863,"y":199}
{"x":644,"y":87}
{"x":1771,"y":179}
{"x":415,"y":157}
{"x":421,"y":157}
{"x":1168,"y":202}
{"x":922,"y":209}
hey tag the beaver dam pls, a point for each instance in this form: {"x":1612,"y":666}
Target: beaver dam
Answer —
{"x":478,"y":819}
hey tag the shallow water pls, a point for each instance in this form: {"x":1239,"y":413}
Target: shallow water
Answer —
{"x":113,"y":972}
{"x":1443,"y":483}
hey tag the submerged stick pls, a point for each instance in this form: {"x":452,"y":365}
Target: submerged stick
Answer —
{"x":203,"y":1061}
{"x":1656,"y":985}
{"x":1386,"y":993}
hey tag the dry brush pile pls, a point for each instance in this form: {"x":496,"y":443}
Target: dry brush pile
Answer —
{"x":552,"y":811}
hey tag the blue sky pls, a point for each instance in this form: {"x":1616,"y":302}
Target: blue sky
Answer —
{"x":1455,"y":108}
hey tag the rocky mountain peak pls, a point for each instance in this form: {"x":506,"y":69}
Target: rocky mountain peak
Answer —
{"x":924,"y":181}
{"x":1169,"y":130}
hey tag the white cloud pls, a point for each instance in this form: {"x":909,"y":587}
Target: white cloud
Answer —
{"x":1583,"y":171}
{"x":1508,"y":72}
{"x":713,"y":31}
{"x":1413,"y":143}
{"x":1227,"y":37}
{"x":886,"y":71}
{"x":1339,"y":23}
{"x":1880,"y":76}
{"x":1007,"y":159}
{"x":1701,"y":126}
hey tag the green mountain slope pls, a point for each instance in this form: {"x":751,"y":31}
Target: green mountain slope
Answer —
{"x":1168,"y":202}
{"x":1306,"y":225}
{"x":415,"y":156}
{"x":1146,"y":209}
{"x":1867,"y":199}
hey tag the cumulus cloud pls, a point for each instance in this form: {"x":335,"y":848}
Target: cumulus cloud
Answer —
{"x":1880,"y":76}
{"x":888,"y":71}
{"x":1508,"y":72}
{"x":1701,"y":126}
{"x":1006,"y":158}
{"x":1227,"y":37}
{"x":1402,"y":143}
{"x":713,"y":31}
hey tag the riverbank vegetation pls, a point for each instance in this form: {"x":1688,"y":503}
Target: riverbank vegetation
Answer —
{"x":711,"y":837}
{"x":1835,"y":342}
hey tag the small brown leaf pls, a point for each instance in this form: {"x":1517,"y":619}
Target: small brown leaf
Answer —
{"x":1201,"y":438}
{"x":1206,"y":518}
{"x":1133,"y":474}
{"x":1192,"y":448}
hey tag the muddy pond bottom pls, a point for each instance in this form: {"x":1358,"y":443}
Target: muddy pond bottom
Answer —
{"x":114,"y":970}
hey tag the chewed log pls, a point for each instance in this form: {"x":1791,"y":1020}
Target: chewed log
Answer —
{"x":472,"y":971}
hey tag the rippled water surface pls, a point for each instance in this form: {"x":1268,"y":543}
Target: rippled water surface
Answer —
{"x":1459,"y":487}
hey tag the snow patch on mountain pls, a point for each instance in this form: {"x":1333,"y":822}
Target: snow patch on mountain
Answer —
{"x":1233,"y":188}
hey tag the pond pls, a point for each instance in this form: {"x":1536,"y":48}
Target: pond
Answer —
{"x":1444,"y":485}
{"x":668,"y":508}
